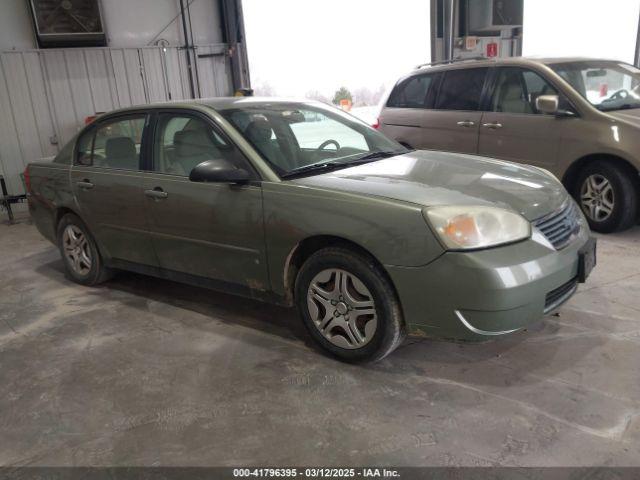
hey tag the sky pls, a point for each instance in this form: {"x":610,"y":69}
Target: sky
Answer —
{"x":297,"y":46}
{"x":590,"y":28}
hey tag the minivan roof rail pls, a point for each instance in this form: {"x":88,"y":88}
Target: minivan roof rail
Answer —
{"x":453,"y":60}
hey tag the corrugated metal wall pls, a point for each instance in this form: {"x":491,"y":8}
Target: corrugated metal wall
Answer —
{"x":45,"y":95}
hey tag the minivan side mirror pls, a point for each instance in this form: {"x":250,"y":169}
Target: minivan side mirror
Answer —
{"x":548,"y":104}
{"x":219,"y":171}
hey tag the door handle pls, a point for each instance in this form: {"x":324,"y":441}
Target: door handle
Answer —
{"x":466,"y":123}
{"x":157,"y":193}
{"x":492,"y":126}
{"x":85,"y":184}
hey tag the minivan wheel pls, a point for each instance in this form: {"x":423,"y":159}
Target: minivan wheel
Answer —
{"x":80,"y":254}
{"x":608,"y":197}
{"x":348,"y":305}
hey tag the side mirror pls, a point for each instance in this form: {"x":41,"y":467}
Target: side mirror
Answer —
{"x":548,"y":104}
{"x":220,"y":171}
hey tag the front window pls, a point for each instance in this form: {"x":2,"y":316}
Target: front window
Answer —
{"x":517,"y":89}
{"x":304,"y":139}
{"x":184,"y":141}
{"x":606,"y":85}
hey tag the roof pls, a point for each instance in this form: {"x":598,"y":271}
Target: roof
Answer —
{"x":221,"y":103}
{"x":217,"y":103}
{"x":518,"y":61}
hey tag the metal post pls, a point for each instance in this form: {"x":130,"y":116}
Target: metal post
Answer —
{"x":233,"y":30}
{"x":636,"y":57}
{"x":434,"y":29}
{"x":448,"y":30}
{"x":187,"y":49}
{"x":5,"y":199}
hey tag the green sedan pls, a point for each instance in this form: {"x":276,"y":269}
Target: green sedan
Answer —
{"x":301,"y":204}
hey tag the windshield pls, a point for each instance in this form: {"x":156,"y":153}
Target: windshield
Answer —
{"x":295,"y":137}
{"x":606,"y":85}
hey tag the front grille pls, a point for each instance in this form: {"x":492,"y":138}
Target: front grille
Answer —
{"x":560,"y":226}
{"x":559,"y":295}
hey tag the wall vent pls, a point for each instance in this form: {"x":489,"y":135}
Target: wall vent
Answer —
{"x":68,"y":23}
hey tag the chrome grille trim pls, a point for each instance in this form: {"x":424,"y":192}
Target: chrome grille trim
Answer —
{"x":561,"y":226}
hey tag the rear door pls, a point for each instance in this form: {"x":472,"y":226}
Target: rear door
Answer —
{"x":210,"y":230}
{"x":513,"y":129}
{"x":453,"y":124}
{"x":107,"y":184}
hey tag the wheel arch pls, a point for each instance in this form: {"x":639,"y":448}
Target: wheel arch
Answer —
{"x":310,"y":245}
{"x":570,"y":177}
{"x":60,"y":212}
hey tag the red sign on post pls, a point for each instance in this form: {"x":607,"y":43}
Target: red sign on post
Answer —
{"x":492,"y":50}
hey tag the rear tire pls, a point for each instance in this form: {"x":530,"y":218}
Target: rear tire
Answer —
{"x":80,"y":254}
{"x":349,"y":306}
{"x":608,"y":196}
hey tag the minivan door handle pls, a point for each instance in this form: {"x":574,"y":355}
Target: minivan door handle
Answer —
{"x":466,"y":123}
{"x":157,"y":193}
{"x":85,"y":184}
{"x":492,"y":126}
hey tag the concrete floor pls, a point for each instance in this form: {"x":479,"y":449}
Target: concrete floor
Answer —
{"x":149,"y":372}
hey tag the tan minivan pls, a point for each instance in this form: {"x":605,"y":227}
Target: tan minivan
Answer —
{"x":578,"y":118}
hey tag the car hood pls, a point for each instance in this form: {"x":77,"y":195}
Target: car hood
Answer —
{"x":631,"y":116}
{"x":432,"y":178}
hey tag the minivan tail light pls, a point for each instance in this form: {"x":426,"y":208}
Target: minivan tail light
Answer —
{"x":376,"y":124}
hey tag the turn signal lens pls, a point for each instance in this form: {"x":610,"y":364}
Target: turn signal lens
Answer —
{"x":469,"y":227}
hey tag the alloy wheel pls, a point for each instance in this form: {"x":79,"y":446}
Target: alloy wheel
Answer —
{"x":597,"y":197}
{"x":342,"y":308}
{"x":77,"y":250}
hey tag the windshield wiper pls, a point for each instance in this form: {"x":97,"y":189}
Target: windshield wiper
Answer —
{"x":328,"y":165}
{"x":624,"y":106}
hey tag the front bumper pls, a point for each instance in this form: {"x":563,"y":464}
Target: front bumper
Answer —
{"x":483,"y":294}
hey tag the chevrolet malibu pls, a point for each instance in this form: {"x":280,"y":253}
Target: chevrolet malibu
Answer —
{"x":299,"y":203}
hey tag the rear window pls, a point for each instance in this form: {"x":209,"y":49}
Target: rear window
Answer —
{"x":412,"y":92}
{"x":461,"y":89}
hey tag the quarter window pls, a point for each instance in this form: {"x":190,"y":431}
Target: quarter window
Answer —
{"x":114,"y":144}
{"x":84,"y":146}
{"x":412,"y":92}
{"x":461,"y":89}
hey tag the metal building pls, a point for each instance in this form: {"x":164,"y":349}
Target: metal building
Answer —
{"x":180,"y":49}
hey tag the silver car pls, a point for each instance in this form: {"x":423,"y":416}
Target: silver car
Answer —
{"x":578,"y":118}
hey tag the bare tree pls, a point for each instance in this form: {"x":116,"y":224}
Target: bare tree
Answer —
{"x":264,"y":90}
{"x":316,"y":95}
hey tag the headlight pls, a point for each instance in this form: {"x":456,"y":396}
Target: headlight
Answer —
{"x":468,"y":227}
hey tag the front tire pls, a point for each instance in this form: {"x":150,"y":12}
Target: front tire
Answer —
{"x":608,"y":196}
{"x":80,"y":254}
{"x":349,"y":306}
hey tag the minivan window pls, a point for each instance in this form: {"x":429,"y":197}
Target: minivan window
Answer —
{"x":606,"y":85}
{"x":461,"y":89}
{"x":517,"y":90}
{"x":412,"y":92}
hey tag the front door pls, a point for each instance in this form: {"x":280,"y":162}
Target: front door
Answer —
{"x":107,"y":184}
{"x":209,"y":230}
{"x":513,"y":129}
